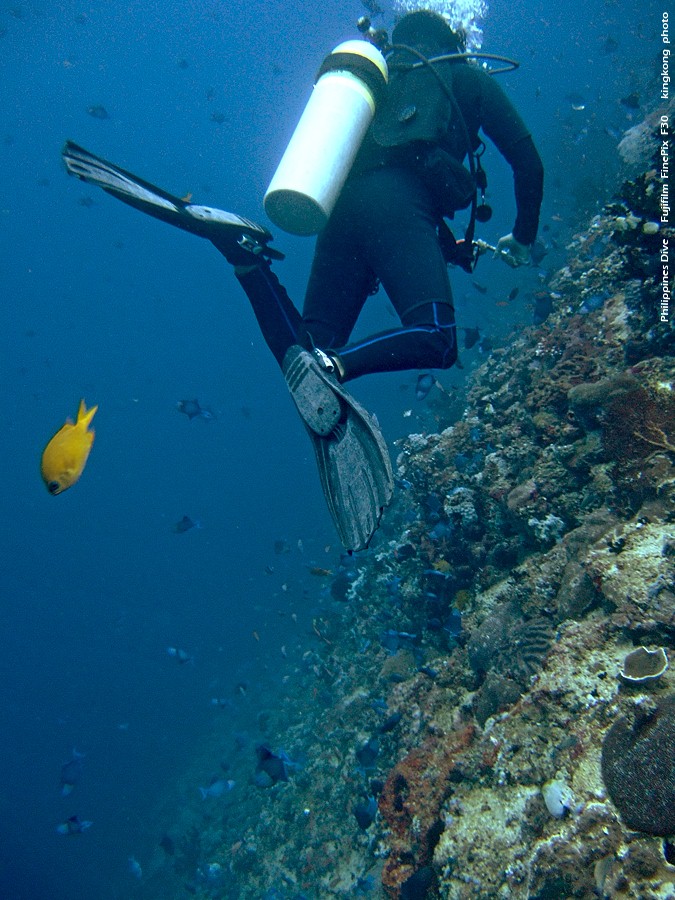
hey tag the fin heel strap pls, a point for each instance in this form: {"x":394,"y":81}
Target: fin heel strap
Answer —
{"x":316,"y":400}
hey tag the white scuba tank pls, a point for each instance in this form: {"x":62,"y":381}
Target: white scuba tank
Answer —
{"x":315,"y":165}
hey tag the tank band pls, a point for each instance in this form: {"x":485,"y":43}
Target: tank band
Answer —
{"x":358,"y":65}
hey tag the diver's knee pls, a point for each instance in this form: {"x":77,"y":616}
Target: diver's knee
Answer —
{"x":442,"y":344}
{"x":438,"y":346}
{"x":437,"y":320}
{"x":449,"y":352}
{"x":445,"y":340}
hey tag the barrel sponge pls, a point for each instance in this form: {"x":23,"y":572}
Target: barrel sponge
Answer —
{"x":638,"y":767}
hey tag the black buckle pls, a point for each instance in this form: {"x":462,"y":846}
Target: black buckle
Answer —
{"x":460,"y":253}
{"x":259,"y":249}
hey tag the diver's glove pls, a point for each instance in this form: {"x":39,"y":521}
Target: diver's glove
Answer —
{"x":512,"y":251}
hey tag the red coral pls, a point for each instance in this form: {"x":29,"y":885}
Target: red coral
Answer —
{"x":411,"y":801}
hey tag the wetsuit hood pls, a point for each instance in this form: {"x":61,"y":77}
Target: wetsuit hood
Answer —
{"x":427,"y":30}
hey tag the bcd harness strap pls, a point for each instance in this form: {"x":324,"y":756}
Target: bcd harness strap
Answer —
{"x":463,"y":253}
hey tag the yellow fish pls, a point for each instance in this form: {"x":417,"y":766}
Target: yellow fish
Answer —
{"x":65,"y":456}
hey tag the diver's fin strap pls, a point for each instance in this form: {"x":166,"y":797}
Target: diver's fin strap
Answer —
{"x":311,"y":389}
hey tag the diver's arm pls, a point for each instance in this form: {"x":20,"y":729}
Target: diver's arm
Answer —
{"x":503,"y":125}
{"x":528,"y":183}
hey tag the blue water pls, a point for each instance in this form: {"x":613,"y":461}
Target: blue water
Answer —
{"x":103,"y":303}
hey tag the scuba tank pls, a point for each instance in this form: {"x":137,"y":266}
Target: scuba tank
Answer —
{"x":319,"y":156}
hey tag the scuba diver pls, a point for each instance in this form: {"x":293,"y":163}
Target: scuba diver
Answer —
{"x":386,"y":225}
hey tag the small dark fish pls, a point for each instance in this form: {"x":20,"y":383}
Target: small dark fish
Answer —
{"x":481,"y":288}
{"x":632,"y":101}
{"x":194,"y":410}
{"x":543,"y":307}
{"x":271,"y":766}
{"x":471,"y":337}
{"x":365,"y":812}
{"x":218,"y":118}
{"x":390,"y":723}
{"x":98,"y":112}
{"x":71,"y":773}
{"x":222,"y":703}
{"x":367,"y":754}
{"x":486,"y":345}
{"x":73,"y":825}
{"x":376,"y":786}
{"x":513,"y":293}
{"x":424,"y":384}
{"x":593,"y":301}
{"x":319,"y":571}
{"x":179,"y":655}
{"x":216,"y":788}
{"x":281,"y":547}
{"x":185,"y":524}
{"x":168,"y":845}
{"x":429,"y":672}
{"x":610,"y":45}
{"x":453,"y":624}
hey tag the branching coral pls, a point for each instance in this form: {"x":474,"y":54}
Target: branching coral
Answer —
{"x":661,"y":443}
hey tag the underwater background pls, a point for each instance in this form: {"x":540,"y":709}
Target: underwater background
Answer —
{"x":332,"y":664}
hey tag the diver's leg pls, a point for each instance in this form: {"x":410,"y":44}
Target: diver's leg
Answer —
{"x":280,"y":323}
{"x":398,"y":230}
{"x":339,"y":282}
{"x":427,"y":341}
{"x":351,"y":453}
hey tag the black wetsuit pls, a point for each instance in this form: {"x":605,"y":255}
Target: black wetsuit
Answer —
{"x":384,"y":228}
